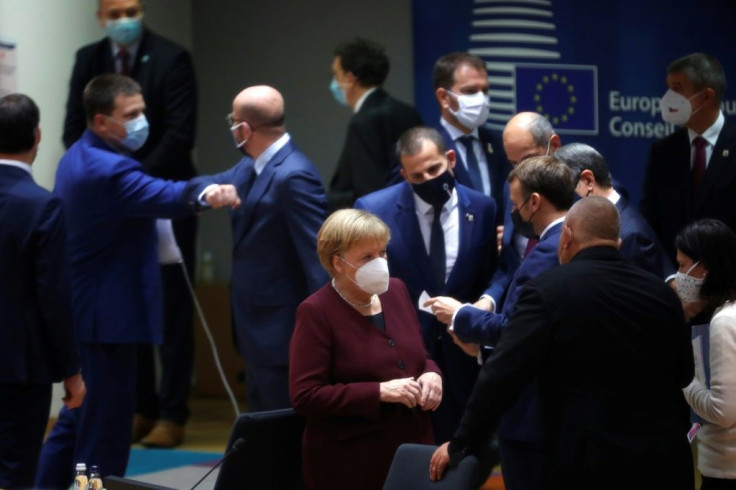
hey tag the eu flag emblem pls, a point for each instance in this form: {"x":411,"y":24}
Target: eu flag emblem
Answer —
{"x":567,"y":95}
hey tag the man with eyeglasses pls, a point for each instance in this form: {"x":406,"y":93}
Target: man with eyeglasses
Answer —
{"x":274,"y":264}
{"x":165,"y":73}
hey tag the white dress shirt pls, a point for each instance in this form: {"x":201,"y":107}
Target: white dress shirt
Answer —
{"x":480,"y":155}
{"x":18,"y":164}
{"x":450,"y":226}
{"x":710,"y":135}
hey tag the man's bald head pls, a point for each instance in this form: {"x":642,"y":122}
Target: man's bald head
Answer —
{"x":260,"y":106}
{"x":529,"y":134}
{"x":592,"y":221}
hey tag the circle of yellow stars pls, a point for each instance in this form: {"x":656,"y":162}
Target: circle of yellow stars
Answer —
{"x":569,"y":88}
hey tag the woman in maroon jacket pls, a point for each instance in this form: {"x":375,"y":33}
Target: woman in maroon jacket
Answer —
{"x":358,"y":368}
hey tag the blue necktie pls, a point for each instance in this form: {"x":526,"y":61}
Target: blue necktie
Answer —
{"x":437,"y":248}
{"x":472,"y":162}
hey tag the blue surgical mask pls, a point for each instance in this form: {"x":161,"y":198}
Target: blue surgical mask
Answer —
{"x":338,"y":93}
{"x":136,"y":133}
{"x":125,"y":30}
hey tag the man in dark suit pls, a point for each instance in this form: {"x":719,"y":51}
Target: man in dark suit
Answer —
{"x":164,"y":71}
{"x":460,"y":81}
{"x":589,"y":332}
{"x":275,"y":264}
{"x":692,"y":172}
{"x":110,"y":203}
{"x":367,"y":162}
{"x":526,"y":135}
{"x":37,"y":346}
{"x":541,"y":191}
{"x":639,"y":244}
{"x":465,"y":262}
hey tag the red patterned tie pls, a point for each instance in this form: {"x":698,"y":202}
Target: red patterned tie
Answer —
{"x":530,"y":246}
{"x":123,"y":56}
{"x":698,"y":162}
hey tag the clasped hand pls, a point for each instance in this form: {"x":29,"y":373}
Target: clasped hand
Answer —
{"x":425,"y":392}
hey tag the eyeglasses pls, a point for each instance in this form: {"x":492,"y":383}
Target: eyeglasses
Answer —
{"x":232,"y":120}
{"x":131,"y":12}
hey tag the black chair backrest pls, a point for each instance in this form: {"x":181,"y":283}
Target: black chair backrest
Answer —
{"x":410,"y":471}
{"x":271,"y":455}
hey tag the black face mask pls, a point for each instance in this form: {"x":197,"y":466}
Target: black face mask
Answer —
{"x":436,"y":191}
{"x":524,"y":227}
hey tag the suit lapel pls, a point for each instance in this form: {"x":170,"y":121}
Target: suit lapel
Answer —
{"x":723,"y":155}
{"x":461,"y":173}
{"x":406,"y":217}
{"x":261,"y":184}
{"x":466,"y":226}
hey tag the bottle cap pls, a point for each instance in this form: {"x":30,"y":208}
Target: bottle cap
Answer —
{"x":81,"y":467}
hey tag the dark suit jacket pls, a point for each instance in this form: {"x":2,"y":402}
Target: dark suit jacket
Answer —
{"x":498,"y":166}
{"x":408,"y":260}
{"x":367,"y":162}
{"x":610,"y":349}
{"x":165,"y":73}
{"x":338,"y":359}
{"x":37,"y":342}
{"x":111,"y":203}
{"x":639,"y":244}
{"x":668,"y":202}
{"x":471,"y":324}
{"x":275,"y":264}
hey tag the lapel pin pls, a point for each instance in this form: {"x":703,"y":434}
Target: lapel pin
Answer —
{"x":144,"y":59}
{"x":725,"y":153}
{"x":489,"y":148}
{"x":469,"y":217}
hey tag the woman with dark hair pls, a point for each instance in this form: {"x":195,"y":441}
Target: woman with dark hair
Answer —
{"x":706,"y":284}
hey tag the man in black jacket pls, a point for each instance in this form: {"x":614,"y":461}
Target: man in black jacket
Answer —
{"x":368,"y":162}
{"x":609,"y":349}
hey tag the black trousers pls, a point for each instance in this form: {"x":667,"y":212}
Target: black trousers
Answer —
{"x":24,"y":412}
{"x":717,"y":484}
{"x":177,"y":350}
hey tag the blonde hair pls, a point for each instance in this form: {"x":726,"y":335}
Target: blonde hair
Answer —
{"x":343,"y":229}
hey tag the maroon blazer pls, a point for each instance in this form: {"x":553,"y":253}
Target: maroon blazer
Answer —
{"x":338,"y":358}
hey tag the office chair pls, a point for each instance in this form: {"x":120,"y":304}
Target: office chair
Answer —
{"x":410,"y":471}
{"x":269,"y":455}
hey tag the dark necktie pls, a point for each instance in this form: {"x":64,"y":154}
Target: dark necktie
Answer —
{"x":124,"y":57}
{"x":437,"y":248}
{"x":530,"y":245}
{"x":472,"y":162}
{"x":699,"y":161}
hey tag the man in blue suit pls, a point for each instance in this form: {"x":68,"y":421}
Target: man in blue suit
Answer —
{"x":466,"y":261}
{"x":541,"y":191}
{"x":37,"y":345}
{"x":275,"y":264}
{"x":460,"y":82}
{"x":639,"y":243}
{"x":111,"y":203}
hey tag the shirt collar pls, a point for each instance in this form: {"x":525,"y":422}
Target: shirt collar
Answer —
{"x":365,"y":95}
{"x":558,"y":220}
{"x":454,"y":132}
{"x":266,"y":156}
{"x":613,"y":197}
{"x":711,"y":134}
{"x":423,"y":207}
{"x":18,"y":164}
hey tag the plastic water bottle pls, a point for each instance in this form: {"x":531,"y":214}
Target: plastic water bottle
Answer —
{"x":80,"y":479}
{"x":95,"y":482}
